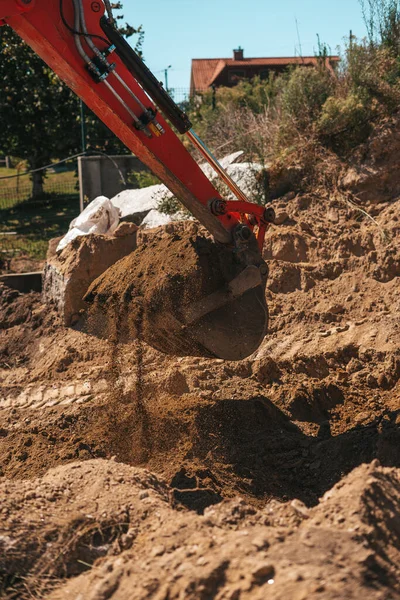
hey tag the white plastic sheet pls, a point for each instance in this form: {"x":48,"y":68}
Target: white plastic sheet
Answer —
{"x":100,"y":216}
{"x":155,"y":219}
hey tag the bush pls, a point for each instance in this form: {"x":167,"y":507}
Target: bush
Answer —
{"x":142,"y":179}
{"x":382,"y":19}
{"x":305,"y":93}
{"x":310,"y":112}
{"x":344,"y":123}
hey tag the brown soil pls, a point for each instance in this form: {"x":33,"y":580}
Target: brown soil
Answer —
{"x":101,"y":529}
{"x":320,"y":397}
{"x":20,"y":265}
{"x":144,"y":295}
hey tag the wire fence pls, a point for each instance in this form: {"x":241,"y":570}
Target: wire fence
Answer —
{"x":27,"y":224}
{"x":12,"y":196}
{"x":183,"y":96}
{"x":179,"y":95}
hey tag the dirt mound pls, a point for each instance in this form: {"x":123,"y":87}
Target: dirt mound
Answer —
{"x":23,"y":315}
{"x":373,"y":174}
{"x":102,"y":530}
{"x":15,"y":308}
{"x":151,"y":293}
{"x":318,"y":398}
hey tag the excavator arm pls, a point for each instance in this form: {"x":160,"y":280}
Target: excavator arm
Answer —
{"x":79,"y":40}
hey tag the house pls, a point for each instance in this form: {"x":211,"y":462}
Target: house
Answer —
{"x":208,"y":72}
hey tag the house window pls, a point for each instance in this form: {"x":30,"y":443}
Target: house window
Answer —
{"x":235,"y":75}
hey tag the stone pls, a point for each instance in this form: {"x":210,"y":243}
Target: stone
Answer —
{"x":281,"y":217}
{"x":68,"y":274}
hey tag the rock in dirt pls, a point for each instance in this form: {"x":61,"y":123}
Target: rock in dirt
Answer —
{"x":137,"y":205}
{"x":134,"y":205}
{"x":67,"y":275}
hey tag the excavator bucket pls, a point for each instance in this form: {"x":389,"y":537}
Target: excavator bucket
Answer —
{"x":184,"y":295}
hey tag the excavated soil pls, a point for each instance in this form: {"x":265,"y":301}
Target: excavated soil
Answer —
{"x":145,"y":294}
{"x":305,"y":417}
{"x":101,"y":529}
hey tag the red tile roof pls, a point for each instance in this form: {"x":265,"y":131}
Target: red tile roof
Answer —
{"x":206,"y":70}
{"x":203,"y":70}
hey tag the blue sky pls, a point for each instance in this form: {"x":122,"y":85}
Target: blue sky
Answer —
{"x":178,"y":30}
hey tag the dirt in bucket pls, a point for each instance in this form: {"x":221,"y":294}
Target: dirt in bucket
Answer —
{"x":145,"y":295}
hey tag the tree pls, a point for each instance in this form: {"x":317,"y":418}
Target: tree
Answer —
{"x":39,"y":114}
{"x":382,"y":20}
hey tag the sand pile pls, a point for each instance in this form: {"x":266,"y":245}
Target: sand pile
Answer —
{"x":320,"y":397}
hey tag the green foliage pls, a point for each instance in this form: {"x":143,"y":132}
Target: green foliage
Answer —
{"x":170,"y":205}
{"x":305,"y":93}
{"x":127,"y":30}
{"x":39,"y":114}
{"x":142,"y":179}
{"x":343,"y":122}
{"x":315,"y":108}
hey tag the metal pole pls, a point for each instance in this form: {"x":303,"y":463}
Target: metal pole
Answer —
{"x":210,"y":158}
{"x":83,"y":127}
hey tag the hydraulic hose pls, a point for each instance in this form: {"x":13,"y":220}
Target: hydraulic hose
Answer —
{"x":80,"y":24}
{"x":105,"y":62}
{"x":78,"y":42}
{"x":109,"y":10}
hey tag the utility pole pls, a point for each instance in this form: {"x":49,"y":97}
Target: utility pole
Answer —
{"x":166,"y":77}
{"x":298,"y":38}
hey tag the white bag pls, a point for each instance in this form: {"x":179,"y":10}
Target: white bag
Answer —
{"x":100,"y":216}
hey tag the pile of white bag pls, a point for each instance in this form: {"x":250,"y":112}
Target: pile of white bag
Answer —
{"x":100,"y":216}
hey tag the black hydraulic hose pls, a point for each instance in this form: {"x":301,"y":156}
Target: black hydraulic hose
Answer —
{"x":80,"y":23}
{"x":109,"y":10}
{"x":75,"y":31}
{"x":145,"y":77}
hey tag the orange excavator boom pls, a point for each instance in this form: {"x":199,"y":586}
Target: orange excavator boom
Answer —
{"x":80,"y":42}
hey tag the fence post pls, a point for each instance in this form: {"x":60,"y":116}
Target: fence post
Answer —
{"x":81,"y":196}
{"x":8,"y":162}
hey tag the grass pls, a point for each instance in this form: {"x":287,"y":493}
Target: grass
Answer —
{"x":34,"y":224}
{"x":59,"y":175}
{"x":61,"y":180}
{"x":26,"y":226}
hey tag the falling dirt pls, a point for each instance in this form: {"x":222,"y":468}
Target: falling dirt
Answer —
{"x":293,"y":423}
